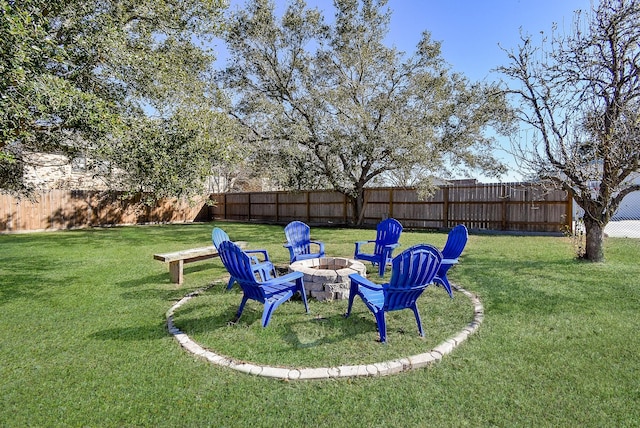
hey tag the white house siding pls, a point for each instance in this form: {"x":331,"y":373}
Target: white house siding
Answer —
{"x":625,"y":223}
{"x":629,"y":208}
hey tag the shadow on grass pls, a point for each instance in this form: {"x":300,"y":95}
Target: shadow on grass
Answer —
{"x":223,"y":320}
{"x":30,"y":278}
{"x":146,"y":280}
{"x":294,"y":325}
{"x":202,"y":266}
{"x":137,"y":333}
{"x":292,"y":328}
{"x":15,"y":286}
{"x":170,"y":295}
{"x":341,"y":330}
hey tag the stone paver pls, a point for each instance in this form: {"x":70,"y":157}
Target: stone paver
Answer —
{"x":383,"y":368}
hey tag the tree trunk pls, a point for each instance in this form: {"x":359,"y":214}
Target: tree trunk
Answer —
{"x":357,"y":205}
{"x":594,"y":240}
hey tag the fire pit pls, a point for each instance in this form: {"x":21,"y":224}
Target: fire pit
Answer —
{"x":327,"y":278}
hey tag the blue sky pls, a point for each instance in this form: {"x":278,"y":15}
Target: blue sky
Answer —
{"x":471,"y":31}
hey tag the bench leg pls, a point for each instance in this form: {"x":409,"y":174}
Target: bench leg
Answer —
{"x":175,"y":271}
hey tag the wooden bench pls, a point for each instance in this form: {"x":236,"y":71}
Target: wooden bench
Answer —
{"x":177,"y":259}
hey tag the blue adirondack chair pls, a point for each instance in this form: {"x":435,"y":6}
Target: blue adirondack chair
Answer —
{"x":387,"y":236}
{"x":271,"y":293}
{"x":263,"y":267}
{"x":299,"y":242}
{"x":456,"y":241}
{"x":412,"y":272}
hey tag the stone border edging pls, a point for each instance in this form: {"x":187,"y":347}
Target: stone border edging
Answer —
{"x":375,"y":369}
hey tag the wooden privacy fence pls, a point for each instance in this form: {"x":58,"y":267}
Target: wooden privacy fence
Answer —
{"x":521,"y":207}
{"x":64,"y":209}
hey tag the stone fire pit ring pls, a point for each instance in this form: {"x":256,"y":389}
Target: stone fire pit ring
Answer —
{"x":327,"y":278}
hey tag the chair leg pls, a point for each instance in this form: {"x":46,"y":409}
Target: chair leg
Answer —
{"x":271,"y":305}
{"x":266,"y":314}
{"x":230,"y":284}
{"x":382,"y":326}
{"x":418,"y":320}
{"x":382,"y":266}
{"x":444,"y":281}
{"x":241,"y":308}
{"x":353,"y":290}
{"x":303,"y":293}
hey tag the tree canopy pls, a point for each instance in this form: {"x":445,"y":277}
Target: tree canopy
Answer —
{"x":123,"y":82}
{"x":578,"y":94}
{"x":330,"y":105}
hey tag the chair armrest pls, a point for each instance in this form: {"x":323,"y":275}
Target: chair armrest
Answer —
{"x":291,"y":276}
{"x":449,"y":261}
{"x":263,"y":252}
{"x":364,"y":282}
{"x":319,"y":244}
{"x":264,"y":269}
{"x":388,"y":250}
{"x":292,"y":253}
{"x":360,"y":243}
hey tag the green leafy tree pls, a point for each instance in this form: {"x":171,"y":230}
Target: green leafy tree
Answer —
{"x":579,"y":96}
{"x":332,"y":106}
{"x":125,"y":83}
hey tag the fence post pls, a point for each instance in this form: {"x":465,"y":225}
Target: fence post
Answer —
{"x":504,"y":196}
{"x":344,"y":208}
{"x":569,"y":210}
{"x":391,"y":202}
{"x":445,"y":207}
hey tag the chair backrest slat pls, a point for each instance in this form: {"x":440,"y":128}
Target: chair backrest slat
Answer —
{"x":237,"y":262}
{"x":456,"y":241}
{"x":218,"y":236}
{"x":412,"y":271}
{"x":298,"y":234}
{"x":387,"y":232}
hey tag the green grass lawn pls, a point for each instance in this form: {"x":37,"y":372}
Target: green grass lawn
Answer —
{"x":84,"y":339}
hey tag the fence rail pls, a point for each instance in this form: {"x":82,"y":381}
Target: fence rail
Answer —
{"x":522,"y":207}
